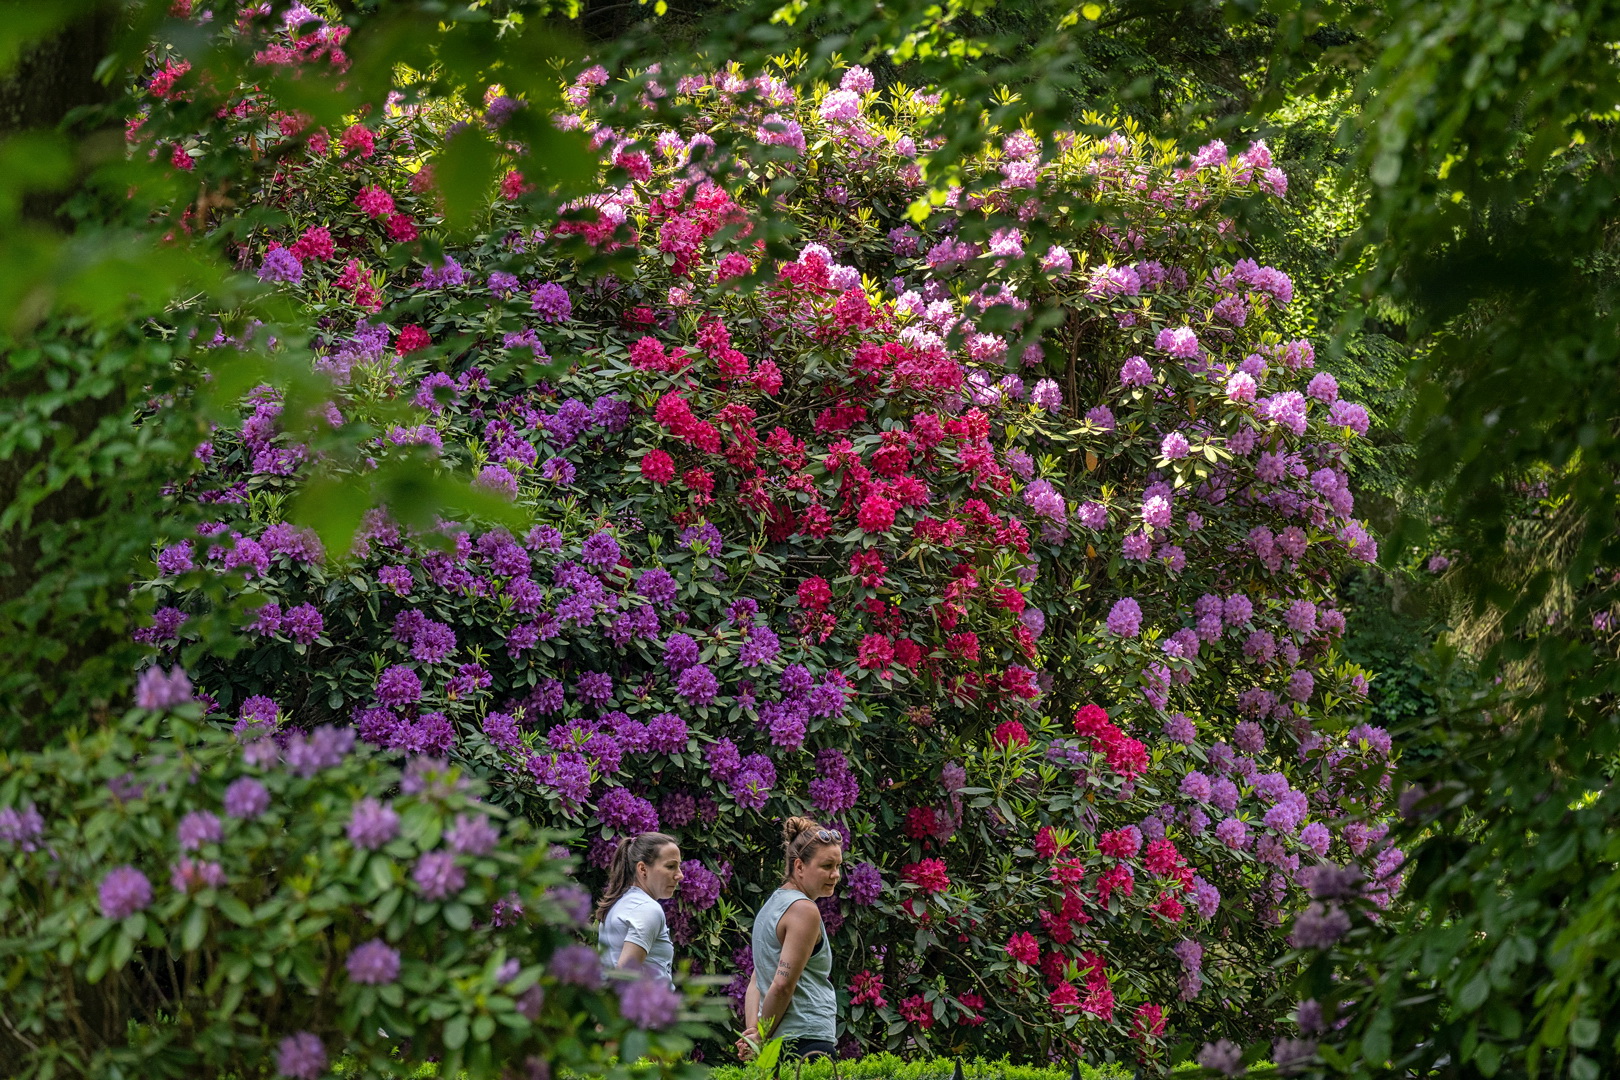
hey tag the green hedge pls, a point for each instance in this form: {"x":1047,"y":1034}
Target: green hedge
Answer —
{"x":889,"y":1067}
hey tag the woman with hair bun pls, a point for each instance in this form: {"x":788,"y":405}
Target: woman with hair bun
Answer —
{"x":791,"y":994}
{"x":645,"y":869}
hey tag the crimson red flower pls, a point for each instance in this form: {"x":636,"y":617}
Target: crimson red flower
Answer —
{"x":1171,"y":908}
{"x":814,"y":593}
{"x":700,"y":481}
{"x":375,"y":201}
{"x":412,"y":338}
{"x":1009,"y":733}
{"x":974,"y":1004}
{"x":876,"y":514}
{"x":1019,"y":681}
{"x":867,"y":566}
{"x":1161,"y":857}
{"x":1057,"y":927}
{"x":767,"y":377}
{"x":929,"y":875}
{"x":907,"y":653}
{"x":1128,"y":758}
{"x":1023,"y":948}
{"x":1068,"y":872}
{"x":657,"y":466}
{"x":1121,"y":843}
{"x":1010,"y":599}
{"x":1046,"y":845}
{"x":316,"y":243}
{"x":513,"y":184}
{"x":1099,"y":1000}
{"x":1115,"y":879}
{"x":917,"y":1011}
{"x":401,"y":229}
{"x":1149,"y":1020}
{"x":876,"y":652}
{"x":921,"y":822}
{"x":867,"y":989}
{"x":1064,"y":997}
{"x":1091,"y":720}
{"x":963,"y":646}
{"x":358,"y":137}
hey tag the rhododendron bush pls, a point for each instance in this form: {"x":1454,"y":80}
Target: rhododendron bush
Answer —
{"x":1009,"y":557}
{"x":177,"y":902}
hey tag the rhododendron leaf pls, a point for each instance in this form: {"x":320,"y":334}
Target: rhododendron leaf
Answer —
{"x":458,"y":916}
{"x":464,"y":175}
{"x":329,"y":506}
{"x":193,"y":929}
{"x":122,"y":948}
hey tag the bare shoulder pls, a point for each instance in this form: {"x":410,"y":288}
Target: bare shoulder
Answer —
{"x":801,"y":918}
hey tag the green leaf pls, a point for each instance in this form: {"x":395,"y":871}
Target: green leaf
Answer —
{"x":459,"y":916}
{"x":333,"y":507}
{"x":1375,"y":1046}
{"x":464,"y":173}
{"x":455,"y":1032}
{"x":194,"y":929}
{"x":769,"y":1055}
{"x":381,"y":872}
{"x":1474,"y":993}
{"x":235,"y":910}
{"x":123,"y":947}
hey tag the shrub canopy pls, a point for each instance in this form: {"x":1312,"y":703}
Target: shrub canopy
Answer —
{"x":1005,"y":548}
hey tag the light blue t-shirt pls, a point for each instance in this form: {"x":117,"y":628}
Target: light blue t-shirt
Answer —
{"x":639,"y":919}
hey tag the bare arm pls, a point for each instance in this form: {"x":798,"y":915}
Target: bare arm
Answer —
{"x":631,"y":956}
{"x":799,"y":929}
{"x":748,"y":1045}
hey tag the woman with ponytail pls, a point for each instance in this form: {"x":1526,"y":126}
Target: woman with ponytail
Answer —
{"x":791,"y":994}
{"x":645,"y":869}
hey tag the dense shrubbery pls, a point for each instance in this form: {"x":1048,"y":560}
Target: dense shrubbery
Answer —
{"x":1036,"y":609}
{"x":176,"y":903}
{"x":888,"y":1067}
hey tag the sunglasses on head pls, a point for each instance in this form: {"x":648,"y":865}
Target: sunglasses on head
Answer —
{"x":827,"y":836}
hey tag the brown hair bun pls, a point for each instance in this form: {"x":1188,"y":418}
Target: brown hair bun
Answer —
{"x":793,"y":826}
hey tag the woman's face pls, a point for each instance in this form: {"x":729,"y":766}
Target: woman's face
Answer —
{"x":819,"y":874}
{"x":659,"y":878}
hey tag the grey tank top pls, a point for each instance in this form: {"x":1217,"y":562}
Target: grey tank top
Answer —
{"x":812,"y":1012}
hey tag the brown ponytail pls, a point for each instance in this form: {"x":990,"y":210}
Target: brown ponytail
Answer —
{"x":802,"y":838}
{"x":632,"y":850}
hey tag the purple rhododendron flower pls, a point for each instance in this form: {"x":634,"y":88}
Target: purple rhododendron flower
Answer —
{"x":437,"y":876}
{"x":1125,"y":618}
{"x":576,"y":965}
{"x":600,"y":550}
{"x":648,"y":1002}
{"x":246,"y":798}
{"x":374,"y":963}
{"x":472,"y":834}
{"x":124,"y":891}
{"x":372,"y":824}
{"x":1181,"y":342}
{"x":697,"y":685}
{"x":198,"y":828}
{"x":551,"y":302}
{"x":864,"y":882}
{"x":301,"y":1056}
{"x":281,"y":265}
{"x":398,"y":685}
{"x":157,"y":689}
